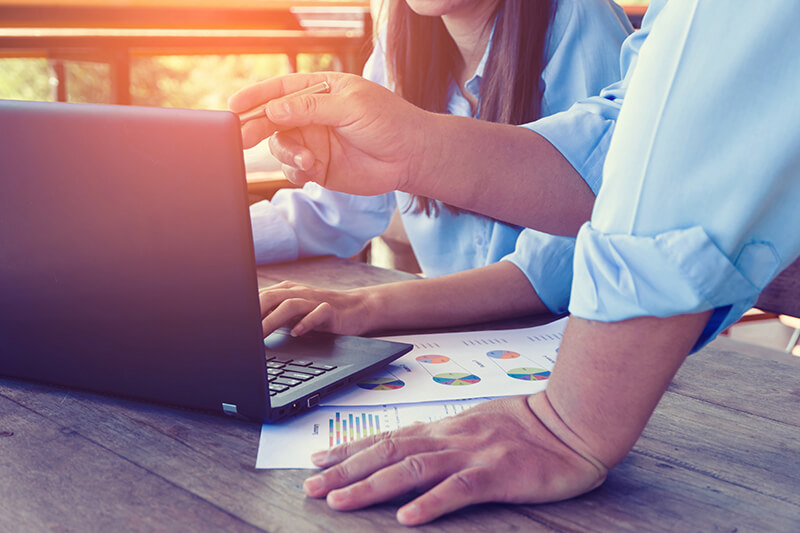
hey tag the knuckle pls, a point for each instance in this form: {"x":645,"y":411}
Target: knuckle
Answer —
{"x":339,"y":474}
{"x":415,"y":467}
{"x":467,"y":482}
{"x":309,"y":104}
{"x":387,"y":449}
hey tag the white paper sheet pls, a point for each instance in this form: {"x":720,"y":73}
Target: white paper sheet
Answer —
{"x":456,"y":366}
{"x":290,"y":444}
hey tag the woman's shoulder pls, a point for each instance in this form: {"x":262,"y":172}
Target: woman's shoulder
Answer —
{"x":569,"y":14}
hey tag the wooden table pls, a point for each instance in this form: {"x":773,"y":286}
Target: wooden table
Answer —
{"x":720,"y":454}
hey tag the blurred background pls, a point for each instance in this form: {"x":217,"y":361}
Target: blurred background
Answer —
{"x":197,"y":78}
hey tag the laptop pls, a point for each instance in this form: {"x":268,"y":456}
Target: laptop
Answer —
{"x":127,"y":266}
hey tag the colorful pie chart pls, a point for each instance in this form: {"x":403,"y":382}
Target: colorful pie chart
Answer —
{"x":529,"y":374}
{"x":502,"y":354}
{"x":456,"y":379}
{"x":381,"y":384}
{"x":433,"y":359}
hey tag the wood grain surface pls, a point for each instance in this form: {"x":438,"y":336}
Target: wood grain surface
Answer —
{"x":719,"y":454}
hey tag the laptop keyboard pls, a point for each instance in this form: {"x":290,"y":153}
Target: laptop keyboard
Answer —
{"x":284,"y":374}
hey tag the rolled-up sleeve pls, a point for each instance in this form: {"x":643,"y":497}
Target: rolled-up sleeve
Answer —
{"x":313,"y":221}
{"x":698,"y":209}
{"x":583,"y":58}
{"x":583,"y":132}
{"x":546,"y":260}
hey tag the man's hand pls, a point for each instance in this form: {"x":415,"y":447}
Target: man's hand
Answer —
{"x":498,"y":451}
{"x":360,"y":138}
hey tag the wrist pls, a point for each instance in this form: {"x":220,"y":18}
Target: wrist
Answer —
{"x":426,"y":162}
{"x":372,"y":307}
{"x":543,"y":410}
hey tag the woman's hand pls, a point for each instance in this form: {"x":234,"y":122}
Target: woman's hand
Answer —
{"x":304,"y":308}
{"x":498,"y":451}
{"x":360,"y":138}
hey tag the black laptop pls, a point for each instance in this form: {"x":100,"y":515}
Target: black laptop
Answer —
{"x":127,"y":266}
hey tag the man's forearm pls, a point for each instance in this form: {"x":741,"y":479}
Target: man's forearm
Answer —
{"x":506,"y":172}
{"x":610,"y":376}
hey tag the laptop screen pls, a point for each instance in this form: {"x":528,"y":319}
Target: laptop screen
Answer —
{"x":127,"y":254}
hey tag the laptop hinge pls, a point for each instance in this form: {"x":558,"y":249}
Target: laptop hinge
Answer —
{"x":230,"y":409}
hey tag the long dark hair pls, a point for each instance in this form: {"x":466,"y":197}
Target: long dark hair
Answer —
{"x":421,"y":55}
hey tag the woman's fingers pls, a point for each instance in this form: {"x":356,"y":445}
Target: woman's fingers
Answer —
{"x":286,"y":314}
{"x":319,"y":317}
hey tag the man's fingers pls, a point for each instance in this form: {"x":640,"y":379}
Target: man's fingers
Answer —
{"x":414,"y":471}
{"x":289,"y":150}
{"x":383,"y":453}
{"x":462,"y":488}
{"x":327,"y":458}
{"x":255,"y":131}
{"x":264,"y":91}
{"x":294,"y":111}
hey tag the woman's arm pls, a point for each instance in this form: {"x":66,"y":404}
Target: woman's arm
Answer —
{"x":493,"y":292}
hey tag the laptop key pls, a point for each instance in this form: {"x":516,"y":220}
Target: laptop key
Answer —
{"x":296,"y":375}
{"x":274,"y":371}
{"x":286,"y":381}
{"x":302,"y":363}
{"x":284,"y":361}
{"x":304,"y":370}
{"x":277,"y":387}
{"x":275,"y":364}
{"x":320,"y":366}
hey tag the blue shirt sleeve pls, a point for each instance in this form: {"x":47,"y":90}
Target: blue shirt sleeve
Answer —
{"x":583,"y":57}
{"x":699,"y":204}
{"x":583,"y":132}
{"x":313,"y":221}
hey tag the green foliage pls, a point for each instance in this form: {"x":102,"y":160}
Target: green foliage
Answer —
{"x":25,"y":79}
{"x":199,"y":82}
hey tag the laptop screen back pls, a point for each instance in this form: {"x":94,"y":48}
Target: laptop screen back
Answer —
{"x":127,"y":254}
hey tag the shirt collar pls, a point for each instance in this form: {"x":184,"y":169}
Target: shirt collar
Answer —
{"x":473,"y":84}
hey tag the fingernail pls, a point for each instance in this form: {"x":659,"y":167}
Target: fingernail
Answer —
{"x":313,"y":484}
{"x":319,"y":457}
{"x":409,"y":513}
{"x":298,"y":162}
{"x":277,"y":111}
{"x":339,"y":496}
{"x":297,"y":331}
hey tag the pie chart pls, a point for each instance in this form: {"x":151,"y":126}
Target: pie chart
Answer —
{"x":456,"y":379}
{"x":433,"y":359}
{"x":381,"y":384}
{"x":529,"y":374}
{"x":502,"y":354}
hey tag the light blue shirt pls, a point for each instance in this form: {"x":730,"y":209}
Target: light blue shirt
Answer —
{"x":582,"y":57}
{"x":699,"y":206}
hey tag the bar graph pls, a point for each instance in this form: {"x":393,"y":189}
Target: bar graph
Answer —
{"x":352,"y":426}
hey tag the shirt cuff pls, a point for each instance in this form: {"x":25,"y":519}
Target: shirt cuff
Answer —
{"x":620,"y":276}
{"x":273,"y":237}
{"x":582,"y":137}
{"x":546,"y":260}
